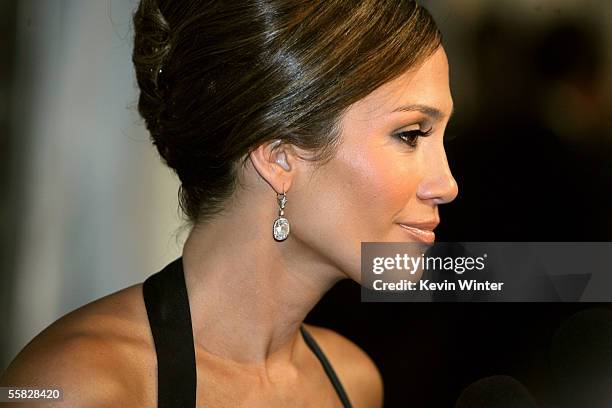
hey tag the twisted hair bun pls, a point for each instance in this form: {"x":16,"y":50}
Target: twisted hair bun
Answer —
{"x":219,"y":78}
{"x":151,"y":47}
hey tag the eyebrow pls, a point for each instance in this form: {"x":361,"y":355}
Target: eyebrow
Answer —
{"x":430,"y":111}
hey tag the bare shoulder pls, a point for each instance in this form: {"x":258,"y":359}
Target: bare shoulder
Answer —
{"x":93,"y":354}
{"x":356,"y":370}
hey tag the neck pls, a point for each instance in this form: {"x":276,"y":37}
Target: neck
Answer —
{"x":249,"y":294}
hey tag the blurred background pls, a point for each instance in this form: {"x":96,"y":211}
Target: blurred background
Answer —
{"x":89,"y":208}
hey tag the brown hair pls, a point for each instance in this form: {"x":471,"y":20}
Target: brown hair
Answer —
{"x":219,"y":78}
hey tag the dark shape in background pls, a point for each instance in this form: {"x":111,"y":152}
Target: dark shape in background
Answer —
{"x":9,"y":148}
{"x":581,"y":360}
{"x":496,"y":391}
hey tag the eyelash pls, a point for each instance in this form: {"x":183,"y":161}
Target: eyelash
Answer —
{"x":411,"y":137}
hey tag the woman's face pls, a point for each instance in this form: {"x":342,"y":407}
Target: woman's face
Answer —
{"x":385,"y":182}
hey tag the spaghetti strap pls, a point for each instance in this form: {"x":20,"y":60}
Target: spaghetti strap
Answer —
{"x":312,"y":344}
{"x":165,"y":296}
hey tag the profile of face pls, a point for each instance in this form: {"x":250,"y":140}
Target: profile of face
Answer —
{"x":388,"y":176}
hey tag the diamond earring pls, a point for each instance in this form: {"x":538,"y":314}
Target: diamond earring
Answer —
{"x":281,"y":225}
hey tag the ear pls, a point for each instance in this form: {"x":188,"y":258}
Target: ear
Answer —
{"x":275,"y":162}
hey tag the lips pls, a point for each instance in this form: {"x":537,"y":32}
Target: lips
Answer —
{"x":421,"y":231}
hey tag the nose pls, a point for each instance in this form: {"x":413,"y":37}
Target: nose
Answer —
{"x":438,"y":185}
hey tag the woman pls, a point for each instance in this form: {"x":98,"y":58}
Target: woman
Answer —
{"x":298,"y":130}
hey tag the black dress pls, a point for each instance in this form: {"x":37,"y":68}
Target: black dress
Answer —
{"x":165,"y":297}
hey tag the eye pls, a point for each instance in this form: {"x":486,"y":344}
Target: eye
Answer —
{"x":411,"y":137}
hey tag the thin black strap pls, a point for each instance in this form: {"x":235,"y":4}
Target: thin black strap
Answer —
{"x":165,"y":296}
{"x":327,"y":367}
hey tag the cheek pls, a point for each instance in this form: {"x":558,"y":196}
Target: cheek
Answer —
{"x":353,"y":198}
{"x":369,"y":187}
{"x":381,"y":183}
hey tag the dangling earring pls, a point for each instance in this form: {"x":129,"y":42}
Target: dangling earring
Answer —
{"x":281,"y":225}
